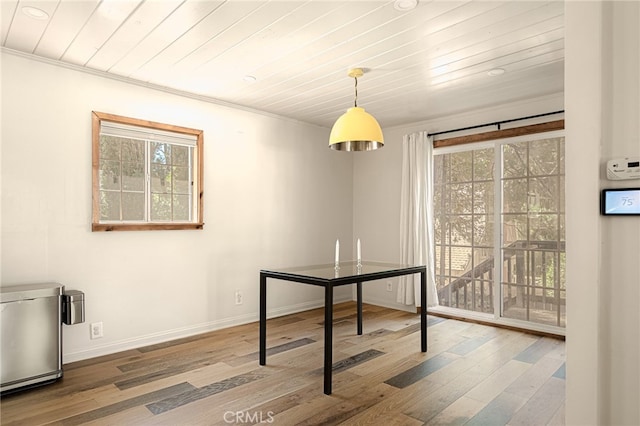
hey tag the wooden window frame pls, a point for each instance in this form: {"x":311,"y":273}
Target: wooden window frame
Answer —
{"x":531,"y":129}
{"x":198,"y":193}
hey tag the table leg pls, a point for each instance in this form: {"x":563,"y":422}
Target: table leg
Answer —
{"x":423,"y":311}
{"x":328,"y":337}
{"x":263,"y":319}
{"x":359,"y":291}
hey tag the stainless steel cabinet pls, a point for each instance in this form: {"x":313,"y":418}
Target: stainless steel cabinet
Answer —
{"x":31,"y":336}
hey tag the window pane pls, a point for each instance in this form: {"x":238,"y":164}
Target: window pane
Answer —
{"x":441,"y":260}
{"x":543,"y":194}
{"x":109,"y":147}
{"x":133,"y":150}
{"x":561,"y":195}
{"x":160,"y":178}
{"x":160,"y":153}
{"x":483,"y":295}
{"x":460,"y":194}
{"x":181,"y":182}
{"x":133,"y":176}
{"x":181,"y":207}
{"x":544,"y":227}
{"x":483,"y":231}
{"x":161,"y":207}
{"x":561,"y":154}
{"x":514,"y":228}
{"x":439,"y":169}
{"x":483,"y":197}
{"x":109,"y":205}
{"x":460,"y":229}
{"x":483,"y":160}
{"x":461,"y":166}
{"x":180,"y":155}
{"x":109,"y":175}
{"x":543,"y":157}
{"x":514,"y":160}
{"x":132,"y":205}
{"x":515,"y":197}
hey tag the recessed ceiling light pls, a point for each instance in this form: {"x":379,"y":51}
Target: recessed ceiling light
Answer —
{"x":404,"y":5}
{"x":496,"y":71}
{"x":35,"y":13}
{"x":249,"y":78}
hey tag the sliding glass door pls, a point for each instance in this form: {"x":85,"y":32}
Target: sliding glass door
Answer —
{"x":502,"y":200}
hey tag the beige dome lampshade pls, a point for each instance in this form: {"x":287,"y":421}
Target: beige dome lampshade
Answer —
{"x":356,"y":129}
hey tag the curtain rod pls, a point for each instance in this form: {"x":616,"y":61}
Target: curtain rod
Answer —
{"x":496,"y":123}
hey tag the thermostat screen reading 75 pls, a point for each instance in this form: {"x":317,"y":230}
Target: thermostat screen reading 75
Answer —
{"x":622,"y":201}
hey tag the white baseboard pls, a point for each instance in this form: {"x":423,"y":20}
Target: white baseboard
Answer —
{"x":179,"y":333}
{"x":391,"y":305}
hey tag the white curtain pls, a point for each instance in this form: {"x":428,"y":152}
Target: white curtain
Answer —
{"x":416,"y":217}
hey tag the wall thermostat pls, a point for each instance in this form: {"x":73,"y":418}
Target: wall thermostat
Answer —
{"x":620,"y":201}
{"x":623,"y":168}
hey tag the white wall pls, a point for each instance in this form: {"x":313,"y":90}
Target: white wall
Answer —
{"x":275,"y":195}
{"x":603,"y":323}
{"x":620,"y":237}
{"x":583,"y":94}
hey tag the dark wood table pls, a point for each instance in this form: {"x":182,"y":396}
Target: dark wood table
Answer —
{"x":328,"y":276}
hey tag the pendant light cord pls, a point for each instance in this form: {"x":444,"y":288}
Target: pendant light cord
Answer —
{"x":355,"y":101}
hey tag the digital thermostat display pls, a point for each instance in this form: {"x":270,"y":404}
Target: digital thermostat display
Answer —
{"x":621,"y":201}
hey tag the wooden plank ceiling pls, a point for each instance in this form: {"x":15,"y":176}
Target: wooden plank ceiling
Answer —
{"x":423,"y":63}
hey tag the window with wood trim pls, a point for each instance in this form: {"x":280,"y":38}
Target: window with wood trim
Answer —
{"x":146,"y":175}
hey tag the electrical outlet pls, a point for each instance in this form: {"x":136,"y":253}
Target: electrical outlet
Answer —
{"x":238,"y":297}
{"x":96,"y":330}
{"x":389,"y":286}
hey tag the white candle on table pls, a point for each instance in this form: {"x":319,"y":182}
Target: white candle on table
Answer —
{"x":337,"y":251}
{"x":359,"y":253}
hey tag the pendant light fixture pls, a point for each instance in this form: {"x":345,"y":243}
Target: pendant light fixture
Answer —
{"x":356,"y":130}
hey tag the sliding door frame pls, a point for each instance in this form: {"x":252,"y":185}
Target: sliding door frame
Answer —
{"x":496,"y":317}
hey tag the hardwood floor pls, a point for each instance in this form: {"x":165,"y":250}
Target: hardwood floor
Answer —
{"x":472,"y":374}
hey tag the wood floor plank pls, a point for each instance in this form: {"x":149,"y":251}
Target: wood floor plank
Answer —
{"x":537,"y":350}
{"x":458,"y":413}
{"x":254,"y":356}
{"x":351,"y":361}
{"x":126,"y":404}
{"x":534,"y":378}
{"x":561,"y":372}
{"x":372,"y":417}
{"x":558,"y":418}
{"x":348,"y":408}
{"x":194,"y":394}
{"x":541,"y":407}
{"x":437,"y":398}
{"x":133,"y":416}
{"x":497,"y":382}
{"x":472,"y":374}
{"x":418,"y":372}
{"x":469,"y":345}
{"x":40,"y":416}
{"x":498,"y":411}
